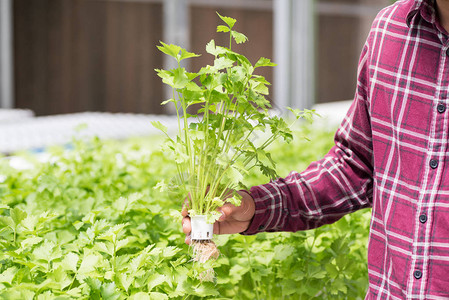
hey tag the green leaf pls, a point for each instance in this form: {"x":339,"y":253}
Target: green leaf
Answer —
{"x":31,"y":241}
{"x":122,"y":243}
{"x":167,"y":76}
{"x":289,"y":287}
{"x":222,"y":28}
{"x":229,"y":21}
{"x":60,"y":277}
{"x":316,"y":272}
{"x":222,"y":63}
{"x":266,"y":258}
{"x":261,"y":89}
{"x":235,"y":200}
{"x":109,"y":291}
{"x":237,"y":271}
{"x":158,"y":125}
{"x":180,"y":78}
{"x":239,"y":37}
{"x":180,"y":155}
{"x":30,"y":222}
{"x":158,"y":296}
{"x":283,"y":251}
{"x":170,"y":251}
{"x":107,"y":248}
{"x":171,"y":50}
{"x":162,"y":186}
{"x":306,"y":113}
{"x":43,"y":251}
{"x":264,"y":62}
{"x":17,"y":215}
{"x":185,"y":54}
{"x":265,"y":158}
{"x":155,"y":280}
{"x":238,"y":74}
{"x":234,"y":175}
{"x":167,"y":101}
{"x":298,"y":275}
{"x":212,"y":49}
{"x":8,"y":275}
{"x":94,"y":284}
{"x":70,"y":261}
{"x":206,"y":289}
{"x":332,"y":270}
{"x":88,"y":264}
{"x":140,"y":296}
{"x":192,"y":86}
{"x":126,"y":280}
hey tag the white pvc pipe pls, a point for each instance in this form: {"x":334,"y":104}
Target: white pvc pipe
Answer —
{"x":294,"y":45}
{"x":6,"y":55}
{"x":175,"y":31}
{"x":303,"y":56}
{"x":281,"y":49}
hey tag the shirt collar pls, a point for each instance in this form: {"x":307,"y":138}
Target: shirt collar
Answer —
{"x":424,"y":9}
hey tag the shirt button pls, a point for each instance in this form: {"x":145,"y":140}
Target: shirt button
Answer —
{"x":417,"y":274}
{"x":441,"y":108}
{"x":447,"y":52}
{"x":433,"y":163}
{"x":261,"y":227}
{"x":423,"y":218}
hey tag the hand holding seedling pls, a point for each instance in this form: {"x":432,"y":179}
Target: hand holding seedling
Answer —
{"x":233,"y":219}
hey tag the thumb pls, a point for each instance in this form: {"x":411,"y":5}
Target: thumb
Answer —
{"x":244,"y":212}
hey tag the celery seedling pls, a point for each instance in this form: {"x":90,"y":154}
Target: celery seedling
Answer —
{"x":220,"y":109}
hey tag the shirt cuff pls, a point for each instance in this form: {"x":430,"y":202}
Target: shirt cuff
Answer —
{"x":262,"y":214}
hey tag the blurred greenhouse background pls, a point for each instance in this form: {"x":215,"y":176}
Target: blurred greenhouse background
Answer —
{"x":72,"y":56}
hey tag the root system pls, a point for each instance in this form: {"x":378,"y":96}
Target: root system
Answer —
{"x":203,"y":251}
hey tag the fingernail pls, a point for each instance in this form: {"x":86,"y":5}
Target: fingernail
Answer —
{"x":222,"y":217}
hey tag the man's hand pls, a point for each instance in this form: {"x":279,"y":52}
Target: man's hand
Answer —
{"x":234,"y":219}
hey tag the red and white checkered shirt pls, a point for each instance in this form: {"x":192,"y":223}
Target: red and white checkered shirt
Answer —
{"x":391,"y":153}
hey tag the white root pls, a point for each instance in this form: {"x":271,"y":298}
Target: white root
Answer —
{"x":203,"y":251}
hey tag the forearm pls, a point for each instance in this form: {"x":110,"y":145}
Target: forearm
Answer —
{"x":338,"y":184}
{"x":322,"y":194}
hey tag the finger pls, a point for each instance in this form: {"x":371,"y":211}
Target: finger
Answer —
{"x":226,"y":211}
{"x":216,"y":228}
{"x":188,"y":240}
{"x":184,"y":212}
{"x":222,"y":215}
{"x":186,"y":225}
{"x":185,"y":208}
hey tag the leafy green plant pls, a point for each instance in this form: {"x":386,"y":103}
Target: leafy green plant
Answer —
{"x":88,"y":224}
{"x":221,"y":109}
{"x":215,"y":146}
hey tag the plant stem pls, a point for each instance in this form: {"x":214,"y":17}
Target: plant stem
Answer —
{"x":256,"y":288}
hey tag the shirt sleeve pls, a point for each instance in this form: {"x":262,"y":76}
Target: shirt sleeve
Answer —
{"x":328,"y":189}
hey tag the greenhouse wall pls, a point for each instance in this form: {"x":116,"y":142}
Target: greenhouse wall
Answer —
{"x":99,"y":55}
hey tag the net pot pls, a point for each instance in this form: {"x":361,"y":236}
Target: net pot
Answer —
{"x":201,"y":230}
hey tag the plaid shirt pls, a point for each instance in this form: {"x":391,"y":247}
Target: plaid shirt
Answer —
{"x":391,"y":154}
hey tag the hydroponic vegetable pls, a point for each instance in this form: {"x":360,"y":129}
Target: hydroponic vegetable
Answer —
{"x":221,"y":111}
{"x":62,"y":233}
